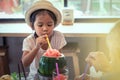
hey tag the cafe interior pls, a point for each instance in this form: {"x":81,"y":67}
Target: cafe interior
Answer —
{"x":85,"y":24}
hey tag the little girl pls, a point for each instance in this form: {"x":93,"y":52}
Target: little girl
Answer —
{"x":42,"y":17}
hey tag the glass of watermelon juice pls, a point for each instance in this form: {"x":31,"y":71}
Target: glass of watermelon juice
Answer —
{"x":63,"y":75}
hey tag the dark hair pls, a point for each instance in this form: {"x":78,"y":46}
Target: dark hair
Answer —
{"x":33,"y":15}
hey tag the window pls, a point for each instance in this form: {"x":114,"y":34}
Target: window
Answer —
{"x":15,"y":9}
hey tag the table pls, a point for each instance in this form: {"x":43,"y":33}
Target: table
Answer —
{"x":75,"y":30}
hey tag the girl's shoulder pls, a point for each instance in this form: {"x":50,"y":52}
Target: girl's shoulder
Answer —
{"x":29,"y":37}
{"x":57,"y":33}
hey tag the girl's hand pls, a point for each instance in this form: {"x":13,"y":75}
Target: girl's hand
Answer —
{"x":41,"y":41}
{"x":99,"y":61}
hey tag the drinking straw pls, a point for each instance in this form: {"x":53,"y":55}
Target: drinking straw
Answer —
{"x":57,"y":70}
{"x":23,"y":70}
{"x":20,"y":65}
{"x":19,"y":72}
{"x":48,"y":42}
{"x":85,"y":71}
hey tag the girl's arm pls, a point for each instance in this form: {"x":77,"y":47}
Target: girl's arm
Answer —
{"x":28,"y":57}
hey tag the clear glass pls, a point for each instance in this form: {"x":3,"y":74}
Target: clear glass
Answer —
{"x":63,"y":75}
{"x":82,"y":8}
{"x":14,"y":8}
{"x":95,"y":8}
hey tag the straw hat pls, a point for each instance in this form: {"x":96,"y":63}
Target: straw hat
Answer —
{"x":42,"y":4}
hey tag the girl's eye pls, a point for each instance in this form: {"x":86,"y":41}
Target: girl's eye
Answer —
{"x":40,"y":25}
{"x":49,"y":25}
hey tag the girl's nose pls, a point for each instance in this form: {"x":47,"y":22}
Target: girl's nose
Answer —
{"x":45,"y":27}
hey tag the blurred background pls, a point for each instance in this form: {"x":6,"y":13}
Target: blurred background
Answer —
{"x":82,"y":8}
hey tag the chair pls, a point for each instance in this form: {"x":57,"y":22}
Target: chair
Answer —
{"x":70,"y":51}
{"x":4,"y":63}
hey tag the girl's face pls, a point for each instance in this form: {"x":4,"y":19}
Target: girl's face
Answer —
{"x":43,"y":24}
